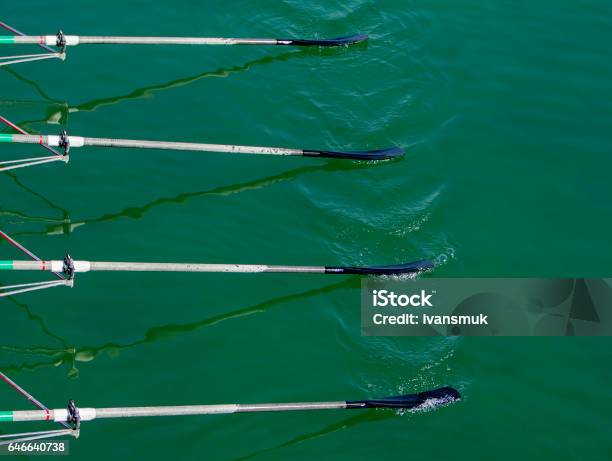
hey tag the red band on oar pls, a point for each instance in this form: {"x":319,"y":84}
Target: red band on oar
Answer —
{"x":15,"y":31}
{"x":15,"y":127}
{"x":27,"y":252}
{"x":31,"y":398}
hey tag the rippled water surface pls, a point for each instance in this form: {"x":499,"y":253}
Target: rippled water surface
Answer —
{"x":504,"y":109}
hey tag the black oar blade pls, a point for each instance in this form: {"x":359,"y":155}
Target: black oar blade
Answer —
{"x":380,"y":154}
{"x":340,"y":41}
{"x":423,"y":400}
{"x":397,"y":269}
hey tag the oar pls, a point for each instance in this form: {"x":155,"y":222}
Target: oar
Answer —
{"x":66,"y":142}
{"x":61,"y":41}
{"x":66,"y":269}
{"x":69,"y":267}
{"x":74,"y":415}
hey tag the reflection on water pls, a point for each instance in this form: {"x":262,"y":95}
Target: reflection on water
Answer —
{"x":66,"y":225}
{"x":70,"y":355}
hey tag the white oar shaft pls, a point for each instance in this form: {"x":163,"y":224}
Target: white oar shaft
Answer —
{"x":178,"y":267}
{"x":188,"y":146}
{"x":107,"y":40}
{"x":72,"y":40}
{"x":88,"y":414}
{"x":86,"y":266}
{"x":78,"y":141}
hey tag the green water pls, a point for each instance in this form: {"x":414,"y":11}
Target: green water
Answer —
{"x":504,"y":108}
